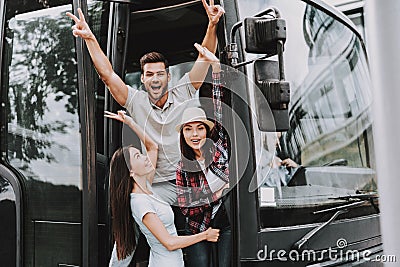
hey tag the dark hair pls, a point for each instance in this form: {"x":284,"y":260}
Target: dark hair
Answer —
{"x":187,"y":153}
{"x":121,"y":185}
{"x":153,"y":57}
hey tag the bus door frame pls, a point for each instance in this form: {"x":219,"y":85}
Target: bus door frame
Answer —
{"x":6,"y":170}
{"x":245,"y":206}
{"x":15,"y":184}
{"x":116,"y":51}
{"x":88,"y":141}
{"x":117,"y":41}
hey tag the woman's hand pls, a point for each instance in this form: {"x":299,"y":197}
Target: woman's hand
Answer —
{"x":220,"y":192}
{"x":212,"y":234}
{"x":81,"y":28}
{"x":207,"y":56}
{"x":276,"y":162}
{"x":214,"y":12}
{"x":121,"y":116}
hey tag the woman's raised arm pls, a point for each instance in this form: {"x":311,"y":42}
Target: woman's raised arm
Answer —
{"x":150,"y":145}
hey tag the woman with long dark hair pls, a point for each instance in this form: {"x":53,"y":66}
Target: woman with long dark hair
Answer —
{"x":132,"y":200}
{"x":202,"y":176}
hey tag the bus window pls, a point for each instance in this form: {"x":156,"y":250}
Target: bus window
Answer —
{"x":330,"y":132}
{"x":354,"y":10}
{"x":39,"y":86}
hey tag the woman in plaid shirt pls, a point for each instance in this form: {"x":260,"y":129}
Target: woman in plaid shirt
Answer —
{"x":202,"y":175}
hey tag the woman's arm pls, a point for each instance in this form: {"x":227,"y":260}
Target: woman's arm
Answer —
{"x":170,"y":242}
{"x":150,"y":145}
{"x":200,"y":67}
{"x":220,"y":164}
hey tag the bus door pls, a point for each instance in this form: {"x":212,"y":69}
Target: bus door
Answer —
{"x":49,"y":188}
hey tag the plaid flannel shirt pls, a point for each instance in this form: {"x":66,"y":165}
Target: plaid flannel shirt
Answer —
{"x":195,"y":198}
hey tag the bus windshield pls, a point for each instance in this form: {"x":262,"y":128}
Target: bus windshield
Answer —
{"x":327,"y":153}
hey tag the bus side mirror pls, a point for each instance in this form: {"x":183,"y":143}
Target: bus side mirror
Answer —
{"x":265,"y":33}
{"x":262,"y":34}
{"x":276,"y":93}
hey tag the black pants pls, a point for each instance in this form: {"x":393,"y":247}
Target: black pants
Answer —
{"x":209,"y":254}
{"x":202,"y":254}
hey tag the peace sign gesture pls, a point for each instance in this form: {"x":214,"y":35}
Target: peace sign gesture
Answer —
{"x":214,"y":12}
{"x":81,"y":28}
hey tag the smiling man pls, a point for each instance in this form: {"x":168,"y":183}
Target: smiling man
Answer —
{"x":155,"y":77}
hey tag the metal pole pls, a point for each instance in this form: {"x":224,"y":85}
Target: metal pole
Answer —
{"x":383,"y":41}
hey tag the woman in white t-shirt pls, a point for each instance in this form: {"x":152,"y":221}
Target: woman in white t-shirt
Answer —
{"x":131,"y":176}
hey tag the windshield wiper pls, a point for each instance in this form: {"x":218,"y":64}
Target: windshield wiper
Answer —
{"x":342,"y":207}
{"x":362,"y":196}
{"x":370,"y":196}
{"x":298,"y":245}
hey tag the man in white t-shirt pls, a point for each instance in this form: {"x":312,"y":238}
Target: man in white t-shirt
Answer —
{"x":159,"y":109}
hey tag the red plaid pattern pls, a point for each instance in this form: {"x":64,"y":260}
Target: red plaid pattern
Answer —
{"x":195,"y":197}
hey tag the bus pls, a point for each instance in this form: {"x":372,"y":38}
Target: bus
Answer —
{"x":56,"y":146}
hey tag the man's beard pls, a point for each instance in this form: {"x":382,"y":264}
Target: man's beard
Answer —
{"x":163,"y":93}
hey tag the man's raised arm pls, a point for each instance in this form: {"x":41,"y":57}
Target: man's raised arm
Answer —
{"x":117,"y":87}
{"x":200,"y":67}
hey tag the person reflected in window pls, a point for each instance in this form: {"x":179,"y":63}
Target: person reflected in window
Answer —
{"x":133,"y":200}
{"x":281,"y":171}
{"x":202,"y":177}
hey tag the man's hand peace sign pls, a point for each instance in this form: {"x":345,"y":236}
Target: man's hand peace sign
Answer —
{"x":81,"y":28}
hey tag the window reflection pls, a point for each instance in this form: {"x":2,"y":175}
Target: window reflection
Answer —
{"x":43,"y":135}
{"x":333,"y":109}
{"x":330,"y":118}
{"x":43,"y":124}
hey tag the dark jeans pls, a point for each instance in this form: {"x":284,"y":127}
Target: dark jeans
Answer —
{"x":201,"y":254}
{"x":209,"y":254}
